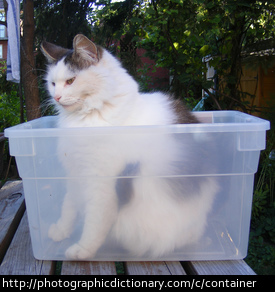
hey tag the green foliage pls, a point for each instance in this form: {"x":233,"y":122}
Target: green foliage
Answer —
{"x":144,"y":80}
{"x":9,"y":110}
{"x":59,"y":21}
{"x":9,"y":101}
{"x":261,"y":256}
{"x":9,"y":116}
{"x":261,"y":252}
{"x":111,"y":20}
{"x":178,"y":34}
{"x":120,"y":268}
{"x":259,"y":202}
{"x":222,"y":29}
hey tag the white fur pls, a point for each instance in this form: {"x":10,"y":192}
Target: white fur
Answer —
{"x":105,"y":94}
{"x":156,"y":220}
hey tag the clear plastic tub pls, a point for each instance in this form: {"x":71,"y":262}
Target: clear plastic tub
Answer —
{"x":177,"y":192}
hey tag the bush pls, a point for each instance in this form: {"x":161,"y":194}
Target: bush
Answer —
{"x":9,"y":110}
{"x":9,"y":116}
{"x":9,"y":100}
{"x":261,"y":251}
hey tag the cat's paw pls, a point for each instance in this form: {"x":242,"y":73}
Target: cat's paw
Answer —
{"x":77,"y":252}
{"x":56,"y":233}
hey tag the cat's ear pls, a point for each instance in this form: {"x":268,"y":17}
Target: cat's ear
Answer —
{"x":86,"y":49}
{"x":53,"y":52}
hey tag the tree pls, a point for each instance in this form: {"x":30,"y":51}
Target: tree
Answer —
{"x":178,"y":34}
{"x":175,"y":43}
{"x":58,"y":21}
{"x":234,"y":24}
{"x":113,"y":28}
{"x":29,"y":76}
{"x":181,"y":33}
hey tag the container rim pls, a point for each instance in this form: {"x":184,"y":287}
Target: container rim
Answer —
{"x":211,"y":121}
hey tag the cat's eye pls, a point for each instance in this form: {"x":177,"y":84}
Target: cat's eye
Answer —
{"x":70,"y":81}
{"x":53,"y":84}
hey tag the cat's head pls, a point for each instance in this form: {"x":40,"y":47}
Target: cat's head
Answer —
{"x":73,"y":75}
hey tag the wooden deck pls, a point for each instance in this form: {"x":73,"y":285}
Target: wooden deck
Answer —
{"x":16,"y":255}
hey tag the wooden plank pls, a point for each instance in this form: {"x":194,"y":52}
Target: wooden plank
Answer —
{"x":230,"y":267}
{"x":154,"y":268}
{"x":19,"y":258}
{"x":175,"y":268}
{"x":88,"y":268}
{"x":12,"y":208}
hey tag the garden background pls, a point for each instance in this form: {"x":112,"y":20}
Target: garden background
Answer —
{"x":215,"y":55}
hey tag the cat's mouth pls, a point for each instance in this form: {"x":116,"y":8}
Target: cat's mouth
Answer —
{"x":70,"y":106}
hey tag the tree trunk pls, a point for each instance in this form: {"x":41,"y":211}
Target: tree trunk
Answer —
{"x":63,"y":25}
{"x":29,"y":76}
{"x":234,"y":75}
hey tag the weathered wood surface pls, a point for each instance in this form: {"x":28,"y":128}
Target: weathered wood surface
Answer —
{"x":88,"y":268}
{"x":233,"y":267}
{"x":154,"y":268}
{"x":19,"y":258}
{"x":16,"y":255}
{"x":12,"y":207}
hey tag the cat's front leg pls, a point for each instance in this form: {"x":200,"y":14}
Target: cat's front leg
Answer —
{"x":63,"y":228}
{"x":78,"y":252}
{"x":93,"y":236}
{"x":100,"y":214}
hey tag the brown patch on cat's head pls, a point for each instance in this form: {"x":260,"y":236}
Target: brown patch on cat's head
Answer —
{"x":84,"y":54}
{"x":52,"y":52}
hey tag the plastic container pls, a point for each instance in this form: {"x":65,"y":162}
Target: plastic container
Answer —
{"x":209,"y":165}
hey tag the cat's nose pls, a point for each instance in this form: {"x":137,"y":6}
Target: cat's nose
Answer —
{"x":57,"y":98}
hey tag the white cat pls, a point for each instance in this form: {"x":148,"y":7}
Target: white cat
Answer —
{"x":128,"y":186}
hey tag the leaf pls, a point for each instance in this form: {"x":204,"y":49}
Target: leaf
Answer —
{"x":205,"y":50}
{"x":136,"y":20}
{"x":176,"y":45}
{"x":217,"y":19}
{"x":187,"y":33}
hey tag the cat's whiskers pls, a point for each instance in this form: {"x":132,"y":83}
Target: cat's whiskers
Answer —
{"x":47,"y":105}
{"x":36,"y":79}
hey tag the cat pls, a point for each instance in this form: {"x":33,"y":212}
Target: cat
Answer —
{"x":136,"y":203}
